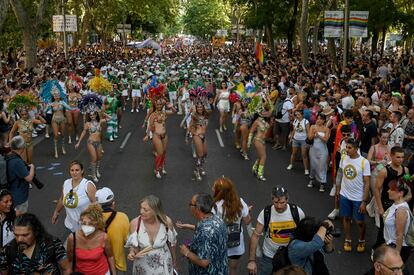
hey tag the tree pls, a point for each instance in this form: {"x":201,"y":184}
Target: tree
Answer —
{"x":303,"y":33}
{"x":30,"y":15}
{"x":203,"y":17}
{"x":4,"y":7}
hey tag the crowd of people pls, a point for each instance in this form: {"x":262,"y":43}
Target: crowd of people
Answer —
{"x":353,"y":128}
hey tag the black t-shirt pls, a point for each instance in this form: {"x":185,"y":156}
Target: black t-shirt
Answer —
{"x":369,"y":131}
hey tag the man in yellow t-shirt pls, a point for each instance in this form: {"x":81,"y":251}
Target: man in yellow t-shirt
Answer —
{"x":117,"y":227}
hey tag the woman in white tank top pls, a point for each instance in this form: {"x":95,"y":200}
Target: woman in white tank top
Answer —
{"x":77,"y":193}
{"x":397,"y":219}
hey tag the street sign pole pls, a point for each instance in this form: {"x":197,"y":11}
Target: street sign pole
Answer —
{"x":65,"y":42}
{"x":346,"y":35}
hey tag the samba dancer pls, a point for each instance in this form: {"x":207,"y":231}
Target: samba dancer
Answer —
{"x":198,"y":126}
{"x":156,"y":125}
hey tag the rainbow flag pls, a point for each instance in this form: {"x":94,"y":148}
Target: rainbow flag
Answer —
{"x":259,"y":53}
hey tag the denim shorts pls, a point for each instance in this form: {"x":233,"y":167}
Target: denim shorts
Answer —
{"x":348,"y":208}
{"x":299,"y":143}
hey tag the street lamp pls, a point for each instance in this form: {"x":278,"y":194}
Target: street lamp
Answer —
{"x":65,"y":46}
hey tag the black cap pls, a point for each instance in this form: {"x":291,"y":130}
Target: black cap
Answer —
{"x":279,"y":191}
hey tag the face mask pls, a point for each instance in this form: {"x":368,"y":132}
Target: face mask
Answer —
{"x":87,"y":229}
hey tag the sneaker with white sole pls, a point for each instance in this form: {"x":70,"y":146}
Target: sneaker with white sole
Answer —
{"x":310,"y":184}
{"x":333,"y":191}
{"x":289,"y":167}
{"x":306,"y":172}
{"x":333,"y":214}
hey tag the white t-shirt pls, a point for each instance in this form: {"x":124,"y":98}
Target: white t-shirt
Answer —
{"x":300,"y":129}
{"x":281,"y":228}
{"x":287,"y":105}
{"x":238,"y":250}
{"x":354,"y":170}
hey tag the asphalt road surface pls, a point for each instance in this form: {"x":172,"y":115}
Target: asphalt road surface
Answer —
{"x":127,"y":168}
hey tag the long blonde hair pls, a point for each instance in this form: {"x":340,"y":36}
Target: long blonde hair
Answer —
{"x":155,"y":204}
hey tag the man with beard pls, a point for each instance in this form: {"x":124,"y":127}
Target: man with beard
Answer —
{"x":33,"y":251}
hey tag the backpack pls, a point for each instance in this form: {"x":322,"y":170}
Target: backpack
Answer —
{"x":281,"y":258}
{"x":409,"y":237}
{"x":4,"y":183}
{"x":279,"y":107}
{"x":267,"y":212}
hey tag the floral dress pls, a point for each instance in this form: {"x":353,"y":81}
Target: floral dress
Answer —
{"x":158,"y":261}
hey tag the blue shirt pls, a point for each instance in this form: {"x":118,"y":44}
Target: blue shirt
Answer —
{"x":16,"y":172}
{"x":301,"y":253}
{"x":210,"y":243}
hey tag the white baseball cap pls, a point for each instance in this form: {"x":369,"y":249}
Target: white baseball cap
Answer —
{"x":104,"y":195}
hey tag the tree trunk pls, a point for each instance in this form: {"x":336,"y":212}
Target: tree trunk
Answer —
{"x":4,"y":8}
{"x":291,"y":30}
{"x":304,"y":50}
{"x":85,"y":27}
{"x":332,"y":50}
{"x":30,"y":28}
{"x":30,"y":47}
{"x":384,"y":34}
{"x":374,"y":42}
{"x":269,"y":38}
{"x":315,"y":36}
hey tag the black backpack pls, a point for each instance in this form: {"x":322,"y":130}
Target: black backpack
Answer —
{"x":281,"y":257}
{"x":267,"y":212}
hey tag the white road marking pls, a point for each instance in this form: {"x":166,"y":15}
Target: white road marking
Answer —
{"x":124,"y":142}
{"x":219,"y":138}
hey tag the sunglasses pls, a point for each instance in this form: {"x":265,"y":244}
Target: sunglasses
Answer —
{"x":346,"y":134}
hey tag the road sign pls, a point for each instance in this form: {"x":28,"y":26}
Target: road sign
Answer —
{"x":221,"y":33}
{"x":123,"y":31}
{"x":123,"y":26}
{"x":71,"y":23}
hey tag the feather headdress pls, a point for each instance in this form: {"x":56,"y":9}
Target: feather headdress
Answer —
{"x":23,"y":102}
{"x":49,"y":88}
{"x":90,"y":103}
{"x":156,"y":94}
{"x":74,"y":82}
{"x":99,"y":85}
{"x":200,"y":96}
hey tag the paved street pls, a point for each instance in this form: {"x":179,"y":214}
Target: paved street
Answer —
{"x":128,"y":173}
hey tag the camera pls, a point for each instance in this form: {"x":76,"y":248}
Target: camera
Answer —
{"x":36,"y":181}
{"x":334,"y":233}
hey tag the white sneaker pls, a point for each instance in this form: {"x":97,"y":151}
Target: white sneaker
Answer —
{"x":306,"y":172}
{"x":132,"y":110}
{"x":310,"y":184}
{"x":47,"y":135}
{"x":289,"y":167}
{"x":137,"y":110}
{"x":333,"y":214}
{"x":333,"y":191}
{"x":34,"y":134}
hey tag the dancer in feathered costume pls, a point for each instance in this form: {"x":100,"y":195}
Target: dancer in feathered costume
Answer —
{"x":53,"y":94}
{"x":262,"y":107}
{"x":156,"y":124}
{"x":73,"y":88}
{"x":198,"y":127}
{"x":23,"y":103}
{"x":91,"y":106}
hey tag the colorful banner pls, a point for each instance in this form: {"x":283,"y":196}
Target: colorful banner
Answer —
{"x":358,"y":23}
{"x":333,"y":23}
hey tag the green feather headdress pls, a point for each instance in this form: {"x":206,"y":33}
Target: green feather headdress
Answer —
{"x":23,"y":101}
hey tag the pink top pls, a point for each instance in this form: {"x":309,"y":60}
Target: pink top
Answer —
{"x":91,"y":261}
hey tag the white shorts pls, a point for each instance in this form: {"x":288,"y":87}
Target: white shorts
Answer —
{"x":223,"y":106}
{"x":136,"y":93}
{"x":125,"y":93}
{"x":172,"y":95}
